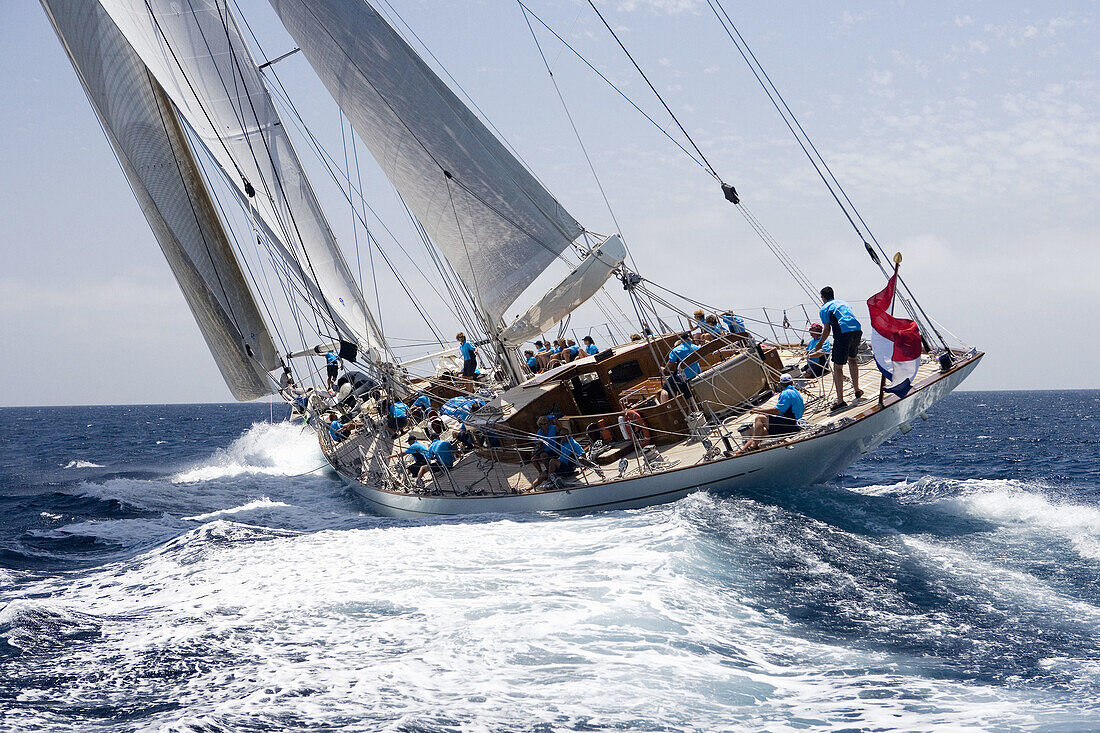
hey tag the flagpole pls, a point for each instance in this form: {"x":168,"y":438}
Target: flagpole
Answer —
{"x":882,"y":381}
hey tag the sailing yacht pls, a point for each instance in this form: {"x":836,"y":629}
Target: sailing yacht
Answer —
{"x":195,"y":123}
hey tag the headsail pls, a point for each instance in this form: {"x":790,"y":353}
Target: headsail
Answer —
{"x":497,"y":226}
{"x":145,"y":133}
{"x":196,"y":51}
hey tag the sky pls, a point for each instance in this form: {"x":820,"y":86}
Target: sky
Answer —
{"x":967,"y":134}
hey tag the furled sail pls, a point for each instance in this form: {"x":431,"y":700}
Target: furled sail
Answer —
{"x":559,"y":301}
{"x":195,"y":50}
{"x":151,"y":146}
{"x":497,"y":226}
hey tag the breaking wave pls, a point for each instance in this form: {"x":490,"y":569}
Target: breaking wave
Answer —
{"x":83,"y":464}
{"x":273,"y":449}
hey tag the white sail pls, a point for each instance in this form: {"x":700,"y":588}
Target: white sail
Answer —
{"x":496,"y":225}
{"x":559,"y":301}
{"x":143,"y":129}
{"x":196,"y":51}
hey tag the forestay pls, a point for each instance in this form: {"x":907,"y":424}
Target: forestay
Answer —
{"x":196,"y":51}
{"x":145,"y":133}
{"x":496,"y":225}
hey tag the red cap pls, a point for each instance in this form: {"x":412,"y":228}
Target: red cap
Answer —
{"x":816,"y":327}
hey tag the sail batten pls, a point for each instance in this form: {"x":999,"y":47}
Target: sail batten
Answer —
{"x":151,"y":146}
{"x":498,"y":227}
{"x":198,"y":54}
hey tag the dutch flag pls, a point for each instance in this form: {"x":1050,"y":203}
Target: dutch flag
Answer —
{"x":895,"y":341}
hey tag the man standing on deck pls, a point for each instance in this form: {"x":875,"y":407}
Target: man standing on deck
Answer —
{"x":469,"y":356}
{"x":847,"y":334}
{"x":332,"y":365}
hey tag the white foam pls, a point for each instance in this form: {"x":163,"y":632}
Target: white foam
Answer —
{"x":274,"y":449}
{"x":607,"y":621}
{"x":83,"y":464}
{"x":263,"y":503}
{"x":1013,"y":503}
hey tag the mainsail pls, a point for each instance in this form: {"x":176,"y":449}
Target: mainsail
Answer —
{"x":151,"y":146}
{"x":497,"y":226}
{"x":195,"y":50}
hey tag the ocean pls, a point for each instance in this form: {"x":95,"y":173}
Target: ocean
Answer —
{"x":187,"y":568}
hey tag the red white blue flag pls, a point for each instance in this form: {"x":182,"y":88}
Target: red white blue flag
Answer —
{"x":895,"y":341}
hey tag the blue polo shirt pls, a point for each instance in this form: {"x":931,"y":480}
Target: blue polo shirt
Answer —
{"x":334,"y":431}
{"x":790,"y":400}
{"x":419,"y":449}
{"x":332,"y":358}
{"x":467,"y":350}
{"x":734,"y":323}
{"x":532,"y":363}
{"x":442,"y":452}
{"x":592,"y":349}
{"x":574,"y":350}
{"x":399,"y":409}
{"x":567,"y":449}
{"x":827,"y":348}
{"x":839,"y":314}
{"x":682,"y":351}
{"x":423,"y":402}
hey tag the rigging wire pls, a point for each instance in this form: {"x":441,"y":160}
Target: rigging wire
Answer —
{"x":773,"y":95}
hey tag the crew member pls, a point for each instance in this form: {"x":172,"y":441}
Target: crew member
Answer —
{"x":421,"y":457}
{"x":734,"y":323}
{"x":817,"y":353}
{"x":531,"y":361}
{"x":442,"y":453}
{"x":847,"y":334}
{"x":781,"y":419}
{"x":469,"y":356}
{"x":590,"y":347}
{"x":332,"y":366}
{"x":677,"y":381}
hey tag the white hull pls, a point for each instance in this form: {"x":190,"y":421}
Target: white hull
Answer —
{"x":801,"y":463}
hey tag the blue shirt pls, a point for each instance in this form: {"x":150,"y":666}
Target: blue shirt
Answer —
{"x":707,"y":328}
{"x":467,"y":350}
{"x":551,"y":432}
{"x":682,"y":351}
{"x":574,"y":350}
{"x":567,"y":449}
{"x":334,"y":431}
{"x":399,"y":409}
{"x":332,"y":358}
{"x":790,"y":403}
{"x":734,"y":323}
{"x":441,"y":451}
{"x":827,"y":347}
{"x":592,"y":349}
{"x":839,"y":314}
{"x":419,"y":449}
{"x":532,"y":363}
{"x":423,"y":402}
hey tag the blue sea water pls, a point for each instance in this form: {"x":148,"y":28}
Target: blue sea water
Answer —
{"x":185,"y":568}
